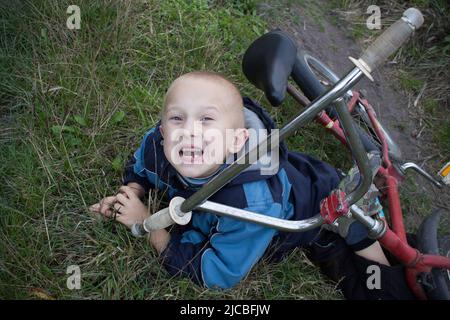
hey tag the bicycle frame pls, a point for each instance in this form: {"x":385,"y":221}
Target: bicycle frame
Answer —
{"x":394,"y":240}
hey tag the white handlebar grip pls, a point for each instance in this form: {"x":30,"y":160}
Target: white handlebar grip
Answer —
{"x":156,"y":221}
{"x":163,"y":218}
{"x":391,"y":39}
{"x":168,"y":216}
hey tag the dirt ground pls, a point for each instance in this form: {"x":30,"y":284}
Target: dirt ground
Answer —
{"x":332,"y":44}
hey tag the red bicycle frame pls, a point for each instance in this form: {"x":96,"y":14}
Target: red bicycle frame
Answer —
{"x":394,"y":239}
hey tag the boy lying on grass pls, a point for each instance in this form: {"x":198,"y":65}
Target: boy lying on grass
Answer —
{"x":191,"y":145}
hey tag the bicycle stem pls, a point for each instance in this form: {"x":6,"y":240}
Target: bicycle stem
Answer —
{"x":319,"y":104}
{"x":357,"y":150}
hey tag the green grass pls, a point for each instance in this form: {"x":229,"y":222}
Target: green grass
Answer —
{"x":74,"y":105}
{"x":409,"y":83}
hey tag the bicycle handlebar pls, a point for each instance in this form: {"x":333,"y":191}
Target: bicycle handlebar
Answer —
{"x":391,"y":39}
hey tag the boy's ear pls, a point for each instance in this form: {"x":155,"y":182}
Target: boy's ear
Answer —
{"x":240,"y":137}
{"x":161,"y":130}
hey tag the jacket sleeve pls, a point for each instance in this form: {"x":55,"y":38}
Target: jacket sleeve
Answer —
{"x":226,"y":256}
{"x":135,"y":166}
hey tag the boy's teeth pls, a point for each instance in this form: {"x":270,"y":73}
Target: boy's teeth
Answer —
{"x":192,"y":151}
{"x":192,"y":155}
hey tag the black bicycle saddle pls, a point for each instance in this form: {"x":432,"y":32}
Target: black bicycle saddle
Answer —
{"x":268,"y":63}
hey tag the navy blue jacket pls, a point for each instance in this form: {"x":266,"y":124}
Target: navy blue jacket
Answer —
{"x":219,"y":251}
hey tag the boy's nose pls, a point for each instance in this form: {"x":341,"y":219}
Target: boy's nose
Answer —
{"x":192,"y":133}
{"x":193,"y":128}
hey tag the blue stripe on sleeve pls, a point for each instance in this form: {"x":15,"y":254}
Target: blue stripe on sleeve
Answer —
{"x":238,"y":245}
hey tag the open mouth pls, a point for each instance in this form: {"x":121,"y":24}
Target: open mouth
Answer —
{"x":191,"y":155}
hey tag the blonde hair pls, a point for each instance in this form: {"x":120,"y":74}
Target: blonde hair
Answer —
{"x":234,"y":94}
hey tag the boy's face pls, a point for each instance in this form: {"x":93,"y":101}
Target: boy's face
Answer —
{"x":199,"y":126}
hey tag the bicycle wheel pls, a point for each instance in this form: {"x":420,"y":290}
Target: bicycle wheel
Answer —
{"x":314,"y":78}
{"x":444,"y":246}
{"x":436,"y":283}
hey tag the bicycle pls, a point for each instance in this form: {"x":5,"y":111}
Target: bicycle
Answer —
{"x":268,"y":63}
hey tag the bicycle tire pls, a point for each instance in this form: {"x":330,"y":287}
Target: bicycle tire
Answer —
{"x":306,"y":72}
{"x":436,"y":283}
{"x":444,"y":248}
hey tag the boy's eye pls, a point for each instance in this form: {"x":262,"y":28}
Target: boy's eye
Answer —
{"x":206,"y":119}
{"x":175,"y":118}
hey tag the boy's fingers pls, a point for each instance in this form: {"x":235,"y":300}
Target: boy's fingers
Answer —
{"x":118,"y":206}
{"x":108,"y":200}
{"x":107,"y":213}
{"x":95,"y":207}
{"x":106,"y":203}
{"x":128,"y":192}
{"x":121,"y":198}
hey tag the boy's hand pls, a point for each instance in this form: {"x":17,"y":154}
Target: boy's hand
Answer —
{"x":104,"y":206}
{"x":125,"y":207}
{"x":129,"y":207}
